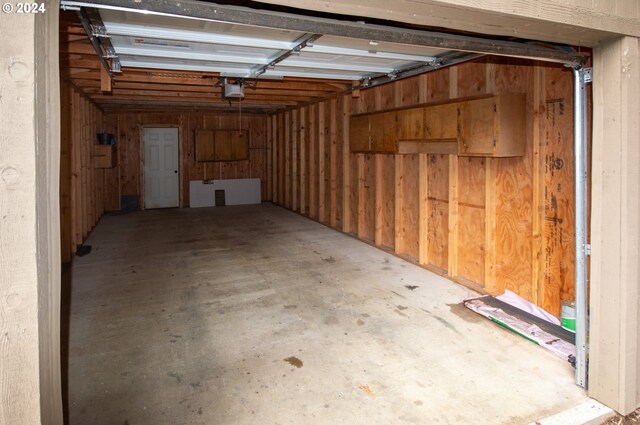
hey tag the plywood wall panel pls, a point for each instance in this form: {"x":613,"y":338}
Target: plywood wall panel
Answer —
{"x":129,"y":145}
{"x":438,"y":85}
{"x":514,"y":193}
{"x":409,"y":210}
{"x":476,"y":214}
{"x":385,"y":201}
{"x":366,"y":197}
{"x":559,"y":210}
{"x":408,"y":91}
{"x":438,"y":210}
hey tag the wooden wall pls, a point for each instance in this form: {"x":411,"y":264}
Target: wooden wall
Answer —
{"x":85,"y":192}
{"x":127,"y":127}
{"x":489,"y":223}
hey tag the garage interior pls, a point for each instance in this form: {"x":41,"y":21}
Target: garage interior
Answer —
{"x":456,"y":162}
{"x":393,"y":170}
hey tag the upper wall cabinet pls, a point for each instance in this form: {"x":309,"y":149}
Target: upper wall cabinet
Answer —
{"x":221,"y":145}
{"x":492,"y":126}
{"x":374,"y":133}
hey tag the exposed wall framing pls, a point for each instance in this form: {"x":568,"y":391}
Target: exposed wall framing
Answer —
{"x":86,"y":192}
{"x":127,"y":127}
{"x":489,"y":223}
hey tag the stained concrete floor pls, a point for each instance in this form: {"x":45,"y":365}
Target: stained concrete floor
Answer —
{"x":188,"y":316}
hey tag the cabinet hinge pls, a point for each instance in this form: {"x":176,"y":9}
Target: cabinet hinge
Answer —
{"x":494,"y":143}
{"x":587,"y":249}
{"x":495,"y":108}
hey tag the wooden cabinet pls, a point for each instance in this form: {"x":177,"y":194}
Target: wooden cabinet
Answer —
{"x":204,"y":145}
{"x":373,"y":133}
{"x":104,"y":156}
{"x":384,"y":132}
{"x":493,"y":126}
{"x":221,"y":145}
{"x":359,"y":140}
{"x":441,"y":121}
{"x":411,"y":124}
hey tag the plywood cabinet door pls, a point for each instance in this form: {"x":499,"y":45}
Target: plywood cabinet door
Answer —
{"x":223,"y":146}
{"x":493,"y":126}
{"x":411,"y":124}
{"x":239,"y":145}
{"x":359,"y":140}
{"x":204,"y":145}
{"x":384,"y":132}
{"x":476,"y":127}
{"x":441,"y":122}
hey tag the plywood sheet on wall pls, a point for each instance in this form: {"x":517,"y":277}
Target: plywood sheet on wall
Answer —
{"x":385,"y":201}
{"x":471,"y":216}
{"x":557,"y":154}
{"x":514,"y":192}
{"x":479,"y":215}
{"x":408,"y":209}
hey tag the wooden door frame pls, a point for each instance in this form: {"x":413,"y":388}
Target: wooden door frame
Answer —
{"x":141,"y":167}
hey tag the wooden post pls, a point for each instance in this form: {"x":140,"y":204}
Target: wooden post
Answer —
{"x":333,"y":161}
{"x":453,"y":216}
{"x":361,"y":198}
{"x":105,"y":80}
{"x":30,"y":223}
{"x":295,"y":140}
{"x":614,"y":369}
{"x":399,"y":193}
{"x":303,"y":163}
{"x":321,"y":163}
{"x":490,"y":225}
{"x":379,"y":194}
{"x":346,"y":166}
{"x":423,"y":220}
{"x":537,"y":263}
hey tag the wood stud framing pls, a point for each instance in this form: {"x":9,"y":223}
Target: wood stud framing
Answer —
{"x":477,"y":221}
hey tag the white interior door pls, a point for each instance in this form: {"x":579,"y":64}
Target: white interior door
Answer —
{"x":161,"y":173}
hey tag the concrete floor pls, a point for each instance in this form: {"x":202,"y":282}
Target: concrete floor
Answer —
{"x":255,"y":315}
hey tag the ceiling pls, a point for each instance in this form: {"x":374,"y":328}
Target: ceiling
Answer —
{"x":156,"y":60}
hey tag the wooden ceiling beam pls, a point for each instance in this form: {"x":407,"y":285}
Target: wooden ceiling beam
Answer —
{"x":201,"y":89}
{"x":102,"y":98}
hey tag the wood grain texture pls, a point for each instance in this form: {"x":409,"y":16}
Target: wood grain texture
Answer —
{"x":548,"y":20}
{"x":438,"y":209}
{"x":408,"y":185}
{"x":471,"y":216}
{"x":385,"y":201}
{"x":367,"y":198}
{"x":614,"y":372}
{"x":514,"y":193}
{"x":314,"y":161}
{"x":20,"y":380}
{"x":254,"y":127}
{"x":559,"y":198}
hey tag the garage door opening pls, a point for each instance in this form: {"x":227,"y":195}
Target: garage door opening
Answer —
{"x":450,"y":160}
